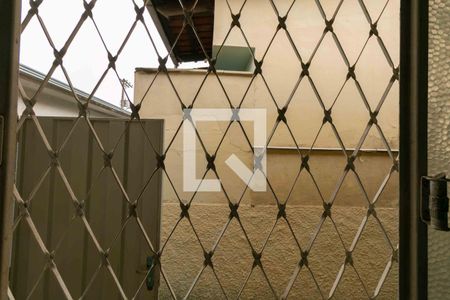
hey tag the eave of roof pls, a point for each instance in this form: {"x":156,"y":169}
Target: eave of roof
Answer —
{"x":83,"y":96}
{"x":169,"y":19}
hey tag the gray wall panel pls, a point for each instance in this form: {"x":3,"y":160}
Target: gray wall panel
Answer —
{"x":106,"y":210}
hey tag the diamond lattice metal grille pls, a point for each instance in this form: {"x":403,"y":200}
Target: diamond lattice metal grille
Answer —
{"x":256,"y":269}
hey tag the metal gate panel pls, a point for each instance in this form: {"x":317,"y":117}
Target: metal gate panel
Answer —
{"x":50,"y":207}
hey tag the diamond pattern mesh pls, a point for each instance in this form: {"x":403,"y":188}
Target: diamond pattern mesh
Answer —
{"x":235,"y":217}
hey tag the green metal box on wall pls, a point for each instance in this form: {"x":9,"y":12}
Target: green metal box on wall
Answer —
{"x":121,"y":197}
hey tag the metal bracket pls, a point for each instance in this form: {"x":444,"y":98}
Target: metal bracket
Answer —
{"x":150,"y":279}
{"x":434,"y":201}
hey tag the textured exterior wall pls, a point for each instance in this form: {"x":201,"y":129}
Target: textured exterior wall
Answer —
{"x":326,"y":166}
{"x":184,"y":258}
{"x":281,"y":67}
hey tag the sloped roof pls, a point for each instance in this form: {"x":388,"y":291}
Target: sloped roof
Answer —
{"x":64,"y":90}
{"x":169,"y":17}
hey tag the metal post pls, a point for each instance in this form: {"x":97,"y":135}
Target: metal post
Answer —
{"x":9,"y":57}
{"x":413,"y":147}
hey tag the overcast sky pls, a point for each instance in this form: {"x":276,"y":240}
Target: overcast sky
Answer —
{"x":86,"y":58}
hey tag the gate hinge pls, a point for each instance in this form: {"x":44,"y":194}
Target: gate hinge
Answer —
{"x":434,"y":201}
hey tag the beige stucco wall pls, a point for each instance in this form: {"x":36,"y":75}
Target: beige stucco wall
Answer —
{"x":209,"y":212}
{"x":183,"y":257}
{"x":281,"y":67}
{"x":283,"y":164}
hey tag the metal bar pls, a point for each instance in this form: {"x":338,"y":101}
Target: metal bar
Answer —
{"x":413,"y":147}
{"x":9,"y":57}
{"x":327,"y":149}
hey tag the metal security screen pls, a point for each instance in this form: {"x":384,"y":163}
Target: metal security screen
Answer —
{"x":325,"y":225}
